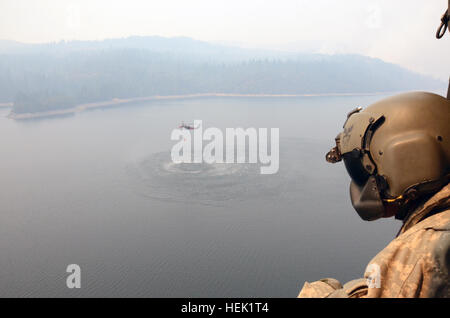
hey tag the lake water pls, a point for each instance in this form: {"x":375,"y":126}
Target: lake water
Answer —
{"x":98,"y":189}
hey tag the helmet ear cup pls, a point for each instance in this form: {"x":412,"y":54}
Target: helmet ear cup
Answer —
{"x":410,"y":159}
{"x":366,"y":200}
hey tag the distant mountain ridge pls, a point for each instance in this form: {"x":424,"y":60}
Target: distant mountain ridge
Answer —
{"x":43,"y":77}
{"x":174,"y":45}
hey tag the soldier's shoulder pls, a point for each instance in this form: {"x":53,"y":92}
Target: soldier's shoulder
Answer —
{"x":426,"y":238}
{"x":436,"y":222}
{"x":416,"y":262}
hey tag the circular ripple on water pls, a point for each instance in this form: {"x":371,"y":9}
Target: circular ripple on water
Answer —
{"x":156,"y":176}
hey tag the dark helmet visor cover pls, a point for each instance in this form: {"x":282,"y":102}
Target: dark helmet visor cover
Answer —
{"x":355,"y":169}
{"x":364,"y":190}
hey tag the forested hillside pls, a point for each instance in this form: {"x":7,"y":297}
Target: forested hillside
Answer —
{"x":54,"y":76}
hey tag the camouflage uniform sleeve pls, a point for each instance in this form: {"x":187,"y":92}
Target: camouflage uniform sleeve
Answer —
{"x":319,"y":289}
{"x":331,"y":288}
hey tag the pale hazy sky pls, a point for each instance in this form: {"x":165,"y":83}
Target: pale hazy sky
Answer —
{"x":400,"y":31}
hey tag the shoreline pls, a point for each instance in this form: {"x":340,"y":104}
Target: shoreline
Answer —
{"x":117,"y":101}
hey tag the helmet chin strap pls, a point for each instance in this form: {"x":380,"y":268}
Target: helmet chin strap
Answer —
{"x":395,"y":206}
{"x":400,"y":197}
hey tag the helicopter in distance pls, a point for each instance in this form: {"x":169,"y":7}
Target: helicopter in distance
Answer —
{"x":187,"y":126}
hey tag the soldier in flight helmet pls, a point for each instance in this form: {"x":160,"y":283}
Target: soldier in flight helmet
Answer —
{"x":397,"y":153}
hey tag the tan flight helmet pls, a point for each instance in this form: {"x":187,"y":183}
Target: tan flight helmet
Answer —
{"x":395,"y":151}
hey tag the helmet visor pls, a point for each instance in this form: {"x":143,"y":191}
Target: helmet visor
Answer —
{"x":355,"y":168}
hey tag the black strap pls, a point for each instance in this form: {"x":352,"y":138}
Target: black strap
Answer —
{"x":444,"y":25}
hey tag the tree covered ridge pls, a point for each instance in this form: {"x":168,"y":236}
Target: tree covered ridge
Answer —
{"x":49,"y":79}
